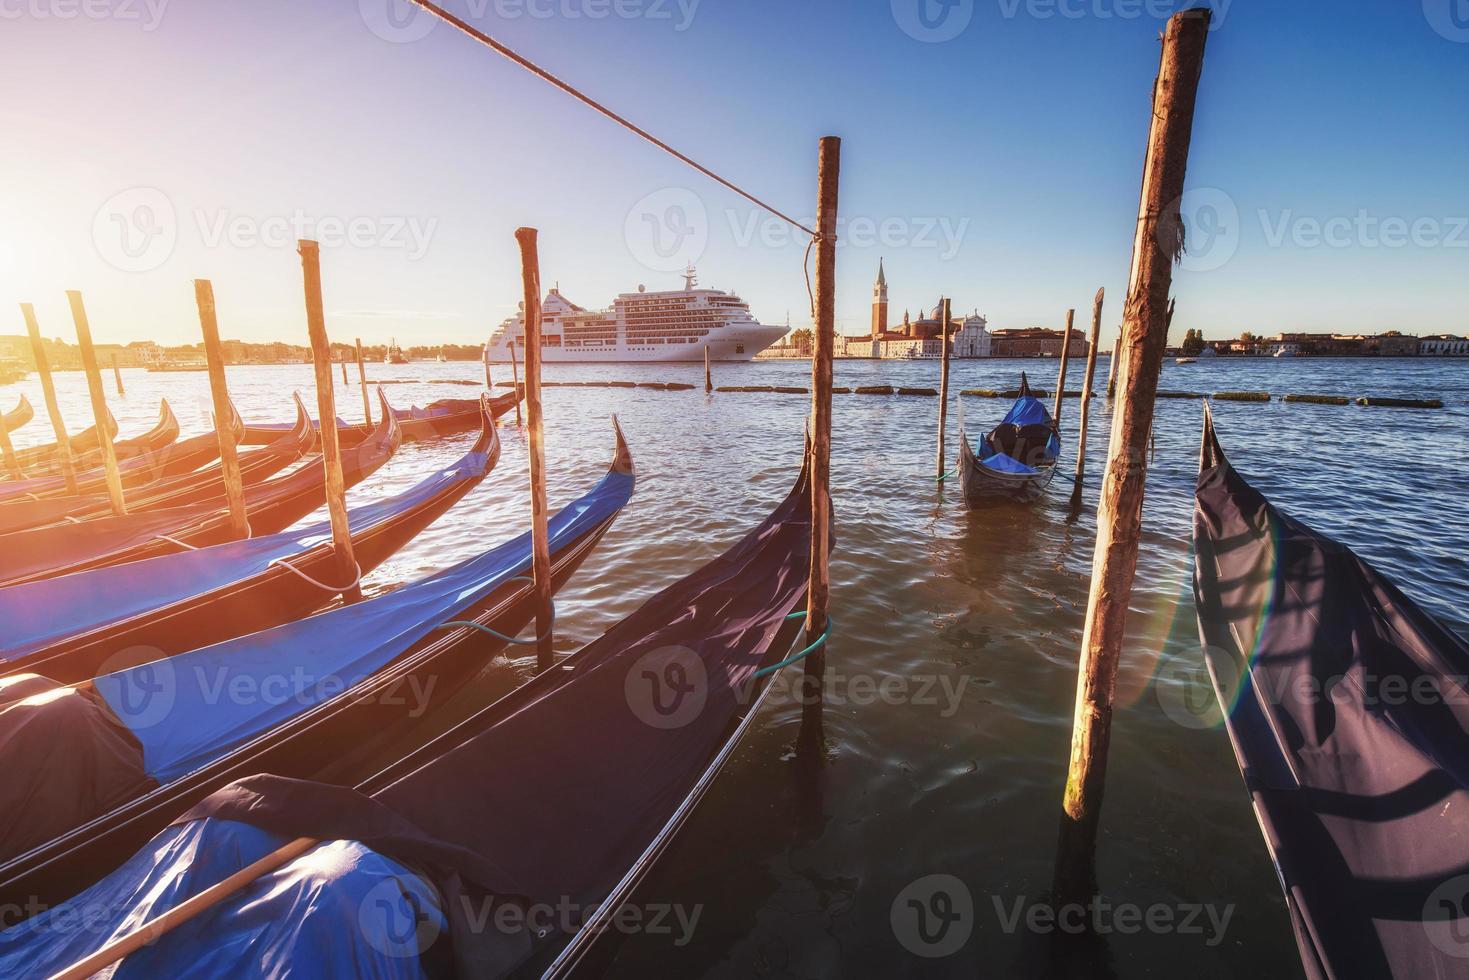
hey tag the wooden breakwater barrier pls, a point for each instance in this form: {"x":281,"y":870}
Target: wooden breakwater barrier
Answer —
{"x":1241,"y":396}
{"x":1373,"y":402}
{"x":1316,"y":399}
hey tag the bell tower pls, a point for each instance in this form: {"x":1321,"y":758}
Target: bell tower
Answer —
{"x":880,"y":303}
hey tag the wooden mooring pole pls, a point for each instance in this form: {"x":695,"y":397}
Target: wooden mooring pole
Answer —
{"x":99,"y":403}
{"x":489,"y":382}
{"x":515,"y":373}
{"x":1112,"y":366}
{"x":1158,"y":244}
{"x":1086,"y":393}
{"x":344,"y":370}
{"x":224,"y":413}
{"x":530,"y":274}
{"x":48,"y":391}
{"x":117,"y":377}
{"x":1065,"y":360}
{"x":708,"y":374}
{"x":943,"y":383}
{"x":362,"y":378}
{"x":326,"y":407}
{"x":828,"y":175}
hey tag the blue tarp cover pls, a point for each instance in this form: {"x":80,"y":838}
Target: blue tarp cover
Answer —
{"x":1027,"y":410}
{"x":192,"y":708}
{"x":38,"y":614}
{"x":341,"y":910}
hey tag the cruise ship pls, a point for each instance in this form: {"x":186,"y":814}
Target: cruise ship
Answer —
{"x":666,"y":326}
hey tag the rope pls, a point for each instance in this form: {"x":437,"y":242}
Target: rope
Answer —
{"x":551,"y":626}
{"x":945,"y":476}
{"x":799,"y":656}
{"x":580,"y":96}
{"x":182,"y":544}
{"x":282,"y":563}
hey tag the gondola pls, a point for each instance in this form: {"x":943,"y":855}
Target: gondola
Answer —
{"x":561,"y":795}
{"x":173,"y":603}
{"x":201,"y":486}
{"x":63,"y":549}
{"x":43,"y":461}
{"x":447,"y":417}
{"x":22,"y":414}
{"x":1345,"y":704}
{"x":348,"y":673}
{"x":1017,"y":459}
{"x":165,"y":457}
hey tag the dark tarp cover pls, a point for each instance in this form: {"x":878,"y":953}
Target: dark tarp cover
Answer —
{"x":1350,"y":720}
{"x":67,"y":760}
{"x":558,"y":825}
{"x":1026,"y":414}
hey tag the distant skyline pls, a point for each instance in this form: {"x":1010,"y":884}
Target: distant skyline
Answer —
{"x":992,"y":153}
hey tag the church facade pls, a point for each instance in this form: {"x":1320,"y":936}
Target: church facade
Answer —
{"x":969,"y":336}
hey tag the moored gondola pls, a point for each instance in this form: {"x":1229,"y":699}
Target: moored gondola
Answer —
{"x":339,"y":677}
{"x":201,"y":486}
{"x":172,"y":603}
{"x":447,"y":416}
{"x":1017,"y":459}
{"x":19,"y":416}
{"x":40,"y":553}
{"x":43,"y":461}
{"x":1345,"y":703}
{"x":528,"y":804}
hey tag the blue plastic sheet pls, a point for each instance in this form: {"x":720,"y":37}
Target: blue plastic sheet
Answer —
{"x":38,"y":614}
{"x":192,"y":708}
{"x":340,"y":910}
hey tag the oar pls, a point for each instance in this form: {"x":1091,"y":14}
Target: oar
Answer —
{"x":155,"y":929}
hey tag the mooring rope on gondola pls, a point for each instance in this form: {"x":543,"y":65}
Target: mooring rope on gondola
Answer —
{"x":820,"y":640}
{"x":471,"y":624}
{"x":283,"y":563}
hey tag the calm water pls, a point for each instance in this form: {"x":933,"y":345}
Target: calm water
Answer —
{"x":952,"y":669}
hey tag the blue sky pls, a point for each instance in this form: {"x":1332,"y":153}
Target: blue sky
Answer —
{"x":152,"y":142}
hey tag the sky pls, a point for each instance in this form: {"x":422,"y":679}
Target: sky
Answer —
{"x":992,"y":152}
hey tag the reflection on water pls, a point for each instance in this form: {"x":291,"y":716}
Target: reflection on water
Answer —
{"x":952,"y":673}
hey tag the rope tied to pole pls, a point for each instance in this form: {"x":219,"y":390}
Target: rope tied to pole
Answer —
{"x":796,"y":657}
{"x":471,"y":624}
{"x":283,"y":563}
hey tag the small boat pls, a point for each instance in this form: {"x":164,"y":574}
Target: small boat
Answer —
{"x":82,"y":443}
{"x":152,"y":456}
{"x":200,"y":486}
{"x":184,"y":601}
{"x":23,"y":413}
{"x":395,"y":353}
{"x":449,"y":416}
{"x":1345,"y":705}
{"x":564,"y":792}
{"x":1017,"y":459}
{"x":1185,"y":360}
{"x":349,"y":673}
{"x":62,"y":549}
